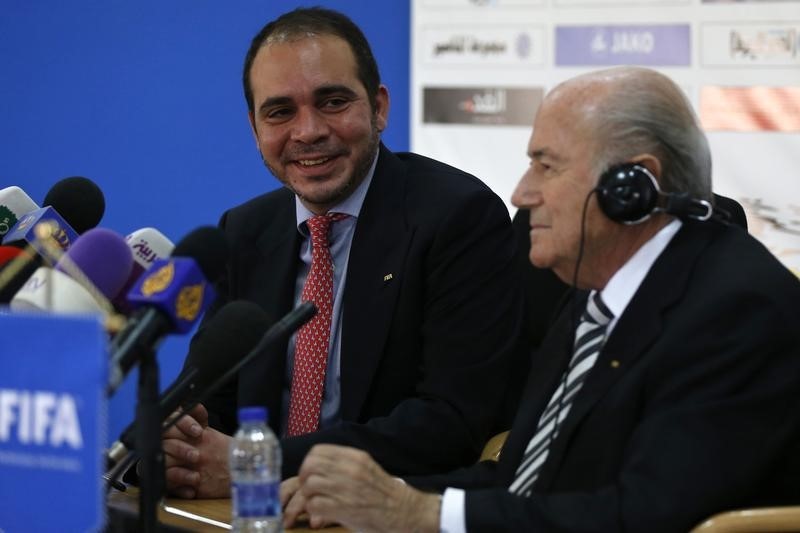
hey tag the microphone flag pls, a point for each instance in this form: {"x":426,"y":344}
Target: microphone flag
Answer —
{"x":177,"y":287}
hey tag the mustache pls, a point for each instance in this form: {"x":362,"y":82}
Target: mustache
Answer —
{"x":315,"y":151}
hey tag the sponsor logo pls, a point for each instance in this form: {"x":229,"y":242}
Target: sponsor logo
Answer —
{"x":25,"y":222}
{"x":39,"y":418}
{"x":159,"y":280}
{"x":656,"y":45}
{"x":189,"y":302}
{"x":750,"y":108}
{"x":470,"y":44}
{"x":7,"y":219}
{"x":495,"y":45}
{"x":753,"y":44}
{"x":57,"y":233}
{"x":480,"y":3}
{"x":481,"y":105}
{"x":142,"y":250}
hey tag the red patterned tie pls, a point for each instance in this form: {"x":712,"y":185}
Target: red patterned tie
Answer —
{"x":311,"y":343}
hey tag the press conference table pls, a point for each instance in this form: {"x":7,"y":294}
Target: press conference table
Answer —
{"x":193,"y":515}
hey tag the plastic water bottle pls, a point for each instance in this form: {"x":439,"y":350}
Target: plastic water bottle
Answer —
{"x":255,"y":466}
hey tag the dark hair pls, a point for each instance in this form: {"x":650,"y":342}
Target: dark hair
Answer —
{"x":320,"y":21}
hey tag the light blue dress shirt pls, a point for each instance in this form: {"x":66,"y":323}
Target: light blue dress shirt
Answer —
{"x":339,"y":240}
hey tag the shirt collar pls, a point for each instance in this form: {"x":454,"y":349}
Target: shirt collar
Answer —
{"x":349,"y":206}
{"x":620,"y":289}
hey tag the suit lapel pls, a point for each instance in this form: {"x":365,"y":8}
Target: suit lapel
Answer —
{"x":273,"y":265}
{"x":637,"y":329}
{"x":374,"y":276}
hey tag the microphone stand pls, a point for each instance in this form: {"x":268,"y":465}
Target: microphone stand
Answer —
{"x":148,"y":442}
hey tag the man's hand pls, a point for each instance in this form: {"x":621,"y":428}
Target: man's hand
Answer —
{"x":196,"y":458}
{"x":293,"y":502}
{"x":344,"y":485}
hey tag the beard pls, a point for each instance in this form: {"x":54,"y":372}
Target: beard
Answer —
{"x":343,"y":190}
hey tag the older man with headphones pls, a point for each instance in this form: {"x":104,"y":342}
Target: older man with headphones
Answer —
{"x":667,"y":388}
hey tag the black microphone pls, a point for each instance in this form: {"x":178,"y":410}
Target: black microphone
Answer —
{"x":282,"y":329}
{"x":72,"y":206}
{"x":276,"y":333}
{"x":221,"y":342}
{"x":170,"y":297}
{"x":79,"y":200}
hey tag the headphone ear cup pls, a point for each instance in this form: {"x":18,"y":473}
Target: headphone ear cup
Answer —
{"x":627,"y":193}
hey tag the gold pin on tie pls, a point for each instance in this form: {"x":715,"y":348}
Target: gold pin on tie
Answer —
{"x":387,"y":277}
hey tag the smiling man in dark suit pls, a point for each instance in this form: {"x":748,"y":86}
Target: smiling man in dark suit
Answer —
{"x":418,"y":309}
{"x":667,"y":389}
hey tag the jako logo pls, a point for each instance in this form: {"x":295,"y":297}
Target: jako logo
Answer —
{"x":39,"y":417}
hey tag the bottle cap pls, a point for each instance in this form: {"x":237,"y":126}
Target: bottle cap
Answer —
{"x":252,"y":414}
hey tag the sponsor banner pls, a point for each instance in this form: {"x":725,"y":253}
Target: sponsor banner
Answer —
{"x":750,"y":44}
{"x":744,"y":1}
{"x":750,"y":108}
{"x":777,"y":225}
{"x":649,"y":45}
{"x":617,"y":2}
{"x":513,"y":45}
{"x":492,"y":106}
{"x":52,"y":423}
{"x":481,"y":3}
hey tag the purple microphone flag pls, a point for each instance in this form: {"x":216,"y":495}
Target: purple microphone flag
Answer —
{"x":652,"y":45}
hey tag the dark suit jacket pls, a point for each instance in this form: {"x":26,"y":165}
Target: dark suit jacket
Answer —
{"x":425,"y":353}
{"x":691,"y":408}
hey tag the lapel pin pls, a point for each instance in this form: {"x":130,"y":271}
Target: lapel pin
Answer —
{"x":614,"y":363}
{"x":387,"y":277}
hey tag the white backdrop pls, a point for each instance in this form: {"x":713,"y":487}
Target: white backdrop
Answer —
{"x":479,"y":69}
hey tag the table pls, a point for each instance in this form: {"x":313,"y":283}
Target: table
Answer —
{"x":194,"y":515}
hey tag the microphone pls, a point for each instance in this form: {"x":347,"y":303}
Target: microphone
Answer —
{"x":13,"y":204}
{"x":8,"y":254}
{"x":222,"y":341}
{"x":73,"y":201}
{"x":79,"y":200}
{"x":74,"y":205}
{"x":146,"y":245}
{"x":103,"y":257}
{"x":87,"y":275}
{"x":27,"y":231}
{"x":277,"y":332}
{"x":170,"y":296}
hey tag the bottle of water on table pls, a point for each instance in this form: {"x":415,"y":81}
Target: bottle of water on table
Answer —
{"x":255,"y":467}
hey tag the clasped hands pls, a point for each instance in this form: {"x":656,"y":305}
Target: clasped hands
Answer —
{"x":335,"y":484}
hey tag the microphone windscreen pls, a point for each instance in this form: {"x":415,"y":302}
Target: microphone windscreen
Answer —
{"x":208,"y":246}
{"x":53,"y":291}
{"x":13,"y":204}
{"x":225,"y":339}
{"x":79,"y":201}
{"x":104,"y":257}
{"x":147,"y":245}
{"x":9,"y":253}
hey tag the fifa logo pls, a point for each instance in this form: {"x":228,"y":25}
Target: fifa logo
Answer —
{"x":40,"y":417}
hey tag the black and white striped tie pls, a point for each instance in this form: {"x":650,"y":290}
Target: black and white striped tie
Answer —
{"x":589,"y":338}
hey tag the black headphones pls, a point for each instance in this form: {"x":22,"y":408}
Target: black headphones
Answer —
{"x":629,"y":194}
